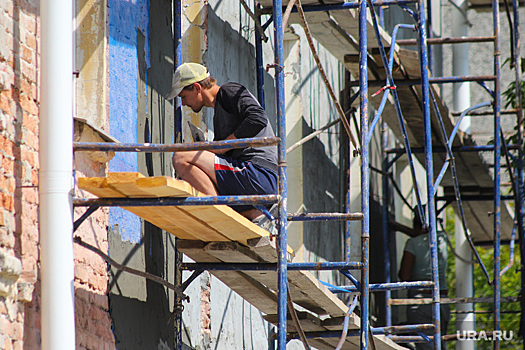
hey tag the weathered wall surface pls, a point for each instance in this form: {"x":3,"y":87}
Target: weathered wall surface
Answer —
{"x":19,"y":103}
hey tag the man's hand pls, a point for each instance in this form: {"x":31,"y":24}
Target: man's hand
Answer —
{"x":222,"y":151}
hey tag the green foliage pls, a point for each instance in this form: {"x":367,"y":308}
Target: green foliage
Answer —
{"x":510,"y":286}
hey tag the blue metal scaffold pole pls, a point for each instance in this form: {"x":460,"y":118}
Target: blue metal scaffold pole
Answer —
{"x":281,"y":159}
{"x":365,"y":171}
{"x":425,"y":96}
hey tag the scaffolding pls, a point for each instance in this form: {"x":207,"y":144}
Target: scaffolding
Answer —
{"x":368,"y":19}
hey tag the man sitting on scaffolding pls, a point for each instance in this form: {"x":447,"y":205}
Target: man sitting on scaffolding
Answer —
{"x":237,"y":114}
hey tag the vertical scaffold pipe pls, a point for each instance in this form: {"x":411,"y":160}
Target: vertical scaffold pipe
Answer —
{"x":259,"y":62}
{"x":281,"y":131}
{"x":425,"y":96}
{"x":386,"y":231}
{"x":177,"y":53}
{"x":497,"y":173}
{"x":365,"y":182}
{"x":520,"y":201}
{"x":177,"y":135}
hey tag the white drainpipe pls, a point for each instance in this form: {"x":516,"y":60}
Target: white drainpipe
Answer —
{"x":56,"y":180}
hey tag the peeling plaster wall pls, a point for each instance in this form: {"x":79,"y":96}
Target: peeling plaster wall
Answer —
{"x":140,"y":59}
{"x":221,"y":36}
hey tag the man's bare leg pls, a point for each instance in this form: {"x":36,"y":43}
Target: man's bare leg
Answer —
{"x":197,"y":168}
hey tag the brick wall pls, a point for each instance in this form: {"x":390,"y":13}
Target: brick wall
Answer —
{"x":19,"y":236}
{"x":19,"y":252}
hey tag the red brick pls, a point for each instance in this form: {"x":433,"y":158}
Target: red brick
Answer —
{"x":18,"y":331}
{"x":28,"y":70}
{"x":30,"y":41}
{"x":7,"y":201}
{"x":34,"y":177}
{"x":30,"y":139}
{"x":29,"y":249}
{"x":31,"y":123}
{"x":18,"y":345}
{"x":27,"y":54}
{"x":28,"y":105}
{"x":28,"y":156}
{"x":3,"y":308}
{"x":8,"y":166}
{"x":3,"y":142}
{"x":6,"y":327}
{"x":5,"y":104}
{"x":7,"y":239}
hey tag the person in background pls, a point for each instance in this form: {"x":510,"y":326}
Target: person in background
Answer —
{"x":416,"y":266}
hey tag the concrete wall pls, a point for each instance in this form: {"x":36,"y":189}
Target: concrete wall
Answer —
{"x":124,"y":61}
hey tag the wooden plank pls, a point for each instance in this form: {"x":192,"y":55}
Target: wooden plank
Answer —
{"x":166,"y":186}
{"x":231,"y":252}
{"x":126,"y":183}
{"x":320,"y":344}
{"x":321,"y":301}
{"x":227,"y":221}
{"x":304,"y":283}
{"x":99,"y":187}
{"x":308,"y":322}
{"x":249,"y":289}
{"x":194,"y":249}
{"x":176,"y":222}
{"x":336,"y":323}
{"x":265,"y":249}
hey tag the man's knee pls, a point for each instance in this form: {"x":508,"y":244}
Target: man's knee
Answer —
{"x":180,"y":160}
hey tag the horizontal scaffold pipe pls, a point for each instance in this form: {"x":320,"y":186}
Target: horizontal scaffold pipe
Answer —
{"x":171,"y":201}
{"x":325,"y":216}
{"x":381,"y":287}
{"x":441,"y":41}
{"x":421,"y":301}
{"x":440,"y":149}
{"x":473,"y":197}
{"x":485,"y":113}
{"x":176,"y":147}
{"x":375,"y":330}
{"x":344,"y":6}
{"x":352,"y":265}
{"x":437,"y":80}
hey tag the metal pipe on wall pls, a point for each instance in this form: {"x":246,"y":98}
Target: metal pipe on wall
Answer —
{"x":56,"y":175}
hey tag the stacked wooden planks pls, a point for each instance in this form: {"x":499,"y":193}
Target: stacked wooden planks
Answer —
{"x":208,"y":223}
{"x":216,"y":233}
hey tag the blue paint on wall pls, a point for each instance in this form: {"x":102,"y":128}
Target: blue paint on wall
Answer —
{"x":125,"y":18}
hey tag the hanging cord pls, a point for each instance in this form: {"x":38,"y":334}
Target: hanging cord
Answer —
{"x":295,"y":319}
{"x":325,"y":79}
{"x":317,"y":132}
{"x":120,"y":267}
{"x":449,"y":243}
{"x":345,"y":324}
{"x":511,"y":32}
{"x":287,"y":13}
{"x":256,"y":20}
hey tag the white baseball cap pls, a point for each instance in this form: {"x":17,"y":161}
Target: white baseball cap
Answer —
{"x":185,"y":75}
